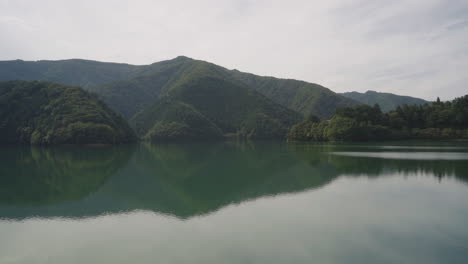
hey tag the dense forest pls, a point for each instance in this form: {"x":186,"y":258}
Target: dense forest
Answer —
{"x":386,"y":101}
{"x":438,"y":120}
{"x":42,"y":113}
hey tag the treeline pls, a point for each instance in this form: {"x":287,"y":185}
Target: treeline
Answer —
{"x":438,"y":120}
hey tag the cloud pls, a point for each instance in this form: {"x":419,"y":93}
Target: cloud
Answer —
{"x":412,"y":47}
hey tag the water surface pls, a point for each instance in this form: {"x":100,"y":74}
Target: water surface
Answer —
{"x":264,"y":202}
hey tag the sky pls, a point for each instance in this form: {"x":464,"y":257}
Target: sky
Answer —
{"x":410,"y":47}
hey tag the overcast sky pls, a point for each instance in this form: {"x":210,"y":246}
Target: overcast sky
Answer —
{"x":411,"y":47}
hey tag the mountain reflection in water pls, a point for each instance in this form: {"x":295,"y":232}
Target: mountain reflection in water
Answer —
{"x":186,"y":180}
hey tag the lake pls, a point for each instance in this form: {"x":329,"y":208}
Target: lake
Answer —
{"x":265,"y":202}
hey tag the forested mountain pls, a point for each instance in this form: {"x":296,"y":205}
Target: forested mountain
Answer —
{"x":185,"y":98}
{"x":438,"y":120}
{"x":42,"y":113}
{"x":129,"y":89}
{"x":386,"y":101}
{"x":207,"y":104}
{"x":136,"y":94}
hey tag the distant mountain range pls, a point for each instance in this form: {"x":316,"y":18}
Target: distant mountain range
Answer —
{"x":186,"y":98}
{"x":386,"y":101}
{"x":150,"y":81}
{"x":193,"y":99}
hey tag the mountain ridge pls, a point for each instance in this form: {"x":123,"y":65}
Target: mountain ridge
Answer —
{"x":211,"y":99}
{"x":303,"y":97}
{"x":387,"y":101}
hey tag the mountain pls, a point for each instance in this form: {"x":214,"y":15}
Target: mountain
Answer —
{"x":43,"y":113}
{"x":133,"y":95}
{"x":206,"y":103}
{"x":386,"y":101}
{"x":128,"y":89}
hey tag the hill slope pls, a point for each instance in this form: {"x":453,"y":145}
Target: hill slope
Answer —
{"x":47,"y":113}
{"x":205,"y":103}
{"x":303,"y":97}
{"x":133,"y":95}
{"x":386,"y":101}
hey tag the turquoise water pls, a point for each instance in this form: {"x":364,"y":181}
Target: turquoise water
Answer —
{"x":263,"y":202}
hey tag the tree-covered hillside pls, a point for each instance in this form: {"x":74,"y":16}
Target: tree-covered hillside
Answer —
{"x":386,"y":101}
{"x":303,"y":97}
{"x":44,"y":113}
{"x":136,"y":94}
{"x":205,"y":103}
{"x":439,"y":120}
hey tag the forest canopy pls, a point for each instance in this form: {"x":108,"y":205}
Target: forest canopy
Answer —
{"x":438,"y":120}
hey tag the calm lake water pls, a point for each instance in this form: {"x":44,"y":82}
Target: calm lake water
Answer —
{"x":235,"y":203}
